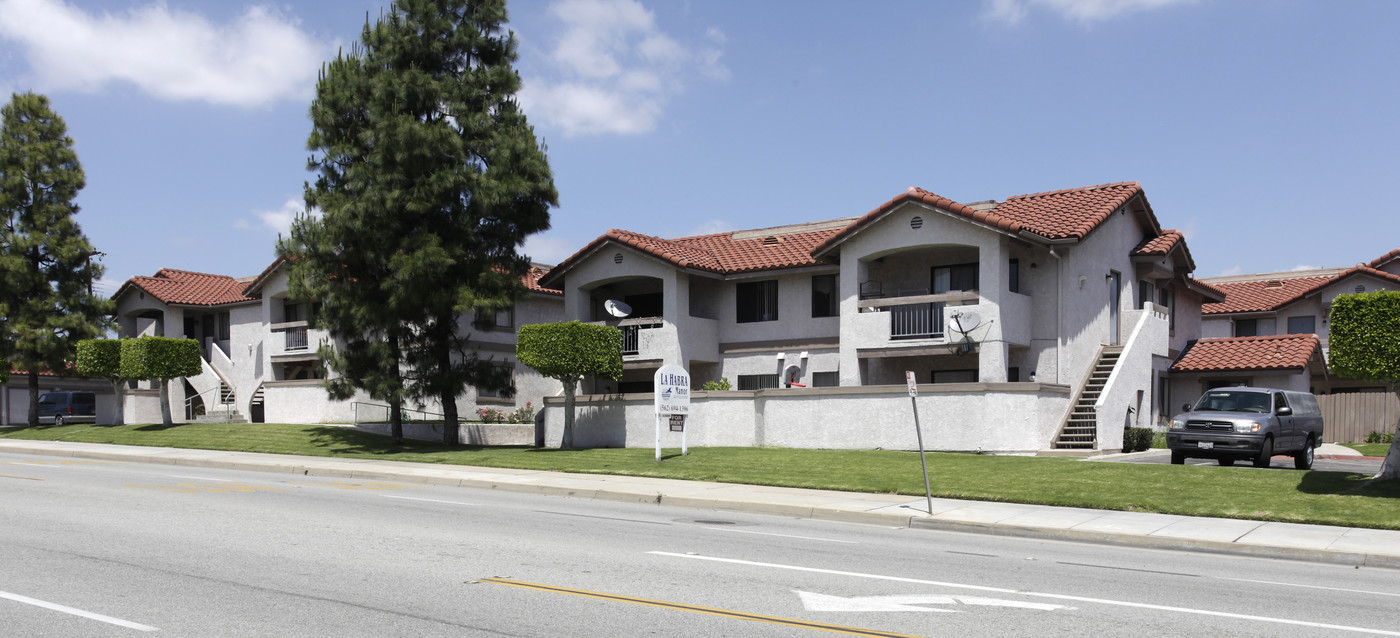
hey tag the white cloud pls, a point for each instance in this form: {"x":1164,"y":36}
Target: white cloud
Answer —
{"x":261,"y":57}
{"x":549,"y":250}
{"x":711,"y":227}
{"x":278,"y":220}
{"x":1231,"y":271}
{"x":613,"y":70}
{"x":1306,"y":267}
{"x":1082,"y":11}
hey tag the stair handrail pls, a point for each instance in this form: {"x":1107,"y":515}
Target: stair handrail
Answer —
{"x":218,"y":390}
{"x":1079,"y":393}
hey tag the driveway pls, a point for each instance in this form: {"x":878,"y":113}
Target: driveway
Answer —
{"x":1327,"y":460}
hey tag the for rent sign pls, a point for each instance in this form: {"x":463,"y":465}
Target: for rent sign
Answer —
{"x":672,"y":391}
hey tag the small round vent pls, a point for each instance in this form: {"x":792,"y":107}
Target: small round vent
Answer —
{"x":617,"y":258}
{"x":916,"y":223}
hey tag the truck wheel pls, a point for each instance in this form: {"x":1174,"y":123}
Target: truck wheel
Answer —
{"x":1265,"y":453}
{"x":1226,"y":462}
{"x":1178,"y":457}
{"x":1303,"y":459}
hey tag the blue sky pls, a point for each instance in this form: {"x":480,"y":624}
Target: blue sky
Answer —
{"x":1267,"y":131}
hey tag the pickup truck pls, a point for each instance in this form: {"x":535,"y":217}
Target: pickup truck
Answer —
{"x":1232,"y":424}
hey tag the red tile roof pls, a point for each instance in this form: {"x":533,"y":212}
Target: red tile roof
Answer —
{"x":1277,"y":352}
{"x":183,"y":287}
{"x":532,"y":280}
{"x":718,"y":253}
{"x":1386,"y":258}
{"x":1063,"y":214}
{"x":1262,"y":295}
{"x":1070,"y":213}
{"x":1159,"y":245}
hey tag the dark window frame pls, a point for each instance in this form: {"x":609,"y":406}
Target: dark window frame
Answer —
{"x":753,"y":298}
{"x":826,"y":295}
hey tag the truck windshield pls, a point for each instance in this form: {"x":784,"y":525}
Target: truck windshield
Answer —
{"x":1234,"y":401}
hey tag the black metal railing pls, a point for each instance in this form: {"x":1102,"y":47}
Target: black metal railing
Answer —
{"x":630,"y":339}
{"x":916,"y":321}
{"x":296,"y":339}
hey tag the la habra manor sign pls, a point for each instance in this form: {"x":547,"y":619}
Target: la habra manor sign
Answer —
{"x":672,"y":398}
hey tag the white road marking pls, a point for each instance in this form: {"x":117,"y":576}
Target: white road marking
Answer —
{"x":1350,"y":591}
{"x":430,"y":500}
{"x":805,"y":538}
{"x":825,"y":602}
{"x":76,"y":612}
{"x":1082,"y":599}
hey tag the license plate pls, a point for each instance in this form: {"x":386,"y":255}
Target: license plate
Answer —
{"x":1205,"y":445}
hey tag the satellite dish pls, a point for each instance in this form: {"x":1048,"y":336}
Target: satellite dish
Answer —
{"x":617,"y":308}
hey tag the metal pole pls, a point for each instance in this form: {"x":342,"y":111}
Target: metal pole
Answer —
{"x":685,"y":451}
{"x":928,"y":493}
{"x":659,"y":417}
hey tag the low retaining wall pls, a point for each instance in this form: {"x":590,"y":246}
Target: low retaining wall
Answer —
{"x":990,"y":417}
{"x":468,"y":433}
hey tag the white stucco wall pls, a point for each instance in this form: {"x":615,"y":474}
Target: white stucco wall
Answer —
{"x":995,"y":417}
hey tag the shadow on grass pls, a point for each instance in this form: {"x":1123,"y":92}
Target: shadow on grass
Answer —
{"x":1347,"y":484}
{"x":157,"y":427}
{"x":340,"y":440}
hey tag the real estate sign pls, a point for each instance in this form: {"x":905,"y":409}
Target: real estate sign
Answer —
{"x":671,"y":386}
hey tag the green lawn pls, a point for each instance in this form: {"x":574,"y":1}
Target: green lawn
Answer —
{"x":1288,"y":495}
{"x":1370,"y":449}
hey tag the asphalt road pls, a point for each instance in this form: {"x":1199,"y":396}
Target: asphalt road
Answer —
{"x":97,"y":548}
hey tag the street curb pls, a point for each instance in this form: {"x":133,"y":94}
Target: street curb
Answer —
{"x":1160,"y":542}
{"x":714,"y":500}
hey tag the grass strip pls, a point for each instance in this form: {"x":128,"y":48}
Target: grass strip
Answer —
{"x":1285,"y":495}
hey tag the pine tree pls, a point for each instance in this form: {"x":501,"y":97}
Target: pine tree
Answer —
{"x":45,"y":260}
{"x":429,"y":178}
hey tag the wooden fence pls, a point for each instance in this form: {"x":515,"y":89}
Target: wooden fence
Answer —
{"x":1350,"y":417}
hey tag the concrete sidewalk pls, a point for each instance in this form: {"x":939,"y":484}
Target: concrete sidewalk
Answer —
{"x":1321,"y":543}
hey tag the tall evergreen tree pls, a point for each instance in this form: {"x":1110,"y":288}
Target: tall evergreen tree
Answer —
{"x":429,"y":179}
{"x":45,"y":260}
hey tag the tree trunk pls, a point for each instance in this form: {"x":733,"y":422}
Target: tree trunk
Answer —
{"x":119,"y":389}
{"x":450,"y":429}
{"x":165,"y":418}
{"x":396,"y":422}
{"x":33,"y":399}
{"x":567,"y":442}
{"x":1390,"y":467}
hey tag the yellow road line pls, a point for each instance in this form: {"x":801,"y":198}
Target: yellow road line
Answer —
{"x":725,"y":613}
{"x":27,"y":478}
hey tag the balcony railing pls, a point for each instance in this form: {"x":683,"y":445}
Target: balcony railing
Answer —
{"x":296,"y":339}
{"x":916,"y":321}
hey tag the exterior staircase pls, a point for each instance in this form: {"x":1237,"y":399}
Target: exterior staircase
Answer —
{"x":1080,"y":429}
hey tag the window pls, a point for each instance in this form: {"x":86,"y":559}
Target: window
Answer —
{"x":1246,"y":327}
{"x":954,"y":376}
{"x":1167,"y":299}
{"x":757,"y":381}
{"x":503,"y":319}
{"x":825,"y":300}
{"x":1302,"y":325}
{"x":1014,"y":274}
{"x":1013,"y":374}
{"x":225,"y":330}
{"x":289,"y":313}
{"x":507,"y":370}
{"x":756,"y":301}
{"x":825,"y":379}
{"x":1146,"y":293}
{"x":954,"y":278}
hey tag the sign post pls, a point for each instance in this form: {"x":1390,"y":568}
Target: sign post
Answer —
{"x":672,"y":399}
{"x":914,"y":400}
